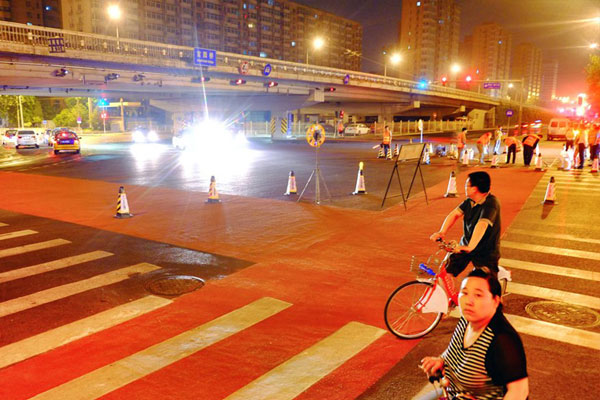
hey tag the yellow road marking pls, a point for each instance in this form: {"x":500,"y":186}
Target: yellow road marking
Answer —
{"x":16,"y":234}
{"x":294,"y":376}
{"x":43,"y":342}
{"x":56,"y":293}
{"x":550,"y":269}
{"x":562,"y":236}
{"x":551,"y":250}
{"x":120,"y":373}
{"x":32,"y":247}
{"x":52,"y":265}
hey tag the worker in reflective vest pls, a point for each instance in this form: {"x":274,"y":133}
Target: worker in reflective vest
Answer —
{"x":340,"y":128}
{"x":580,"y":145}
{"x":529,"y":143}
{"x":387,"y":139}
{"x":511,"y":148}
{"x":482,"y":145}
{"x":461,"y":142}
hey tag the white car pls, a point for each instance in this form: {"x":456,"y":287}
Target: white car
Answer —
{"x":27,"y":138}
{"x":9,"y":137}
{"x":357,"y":129}
{"x":144,"y":135}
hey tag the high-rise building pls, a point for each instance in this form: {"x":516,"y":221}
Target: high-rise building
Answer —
{"x":527,"y":65}
{"x":34,"y":12}
{"x":278,"y":29}
{"x":549,"y":81}
{"x":429,"y":37}
{"x":487,"y":52}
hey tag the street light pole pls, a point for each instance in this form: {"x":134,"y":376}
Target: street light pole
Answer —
{"x":521,"y":84}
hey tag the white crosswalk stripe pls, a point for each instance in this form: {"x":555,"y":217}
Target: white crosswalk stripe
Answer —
{"x":32,"y":247}
{"x":17,"y":234}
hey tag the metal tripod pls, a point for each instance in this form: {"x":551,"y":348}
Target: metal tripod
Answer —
{"x":316,"y":173}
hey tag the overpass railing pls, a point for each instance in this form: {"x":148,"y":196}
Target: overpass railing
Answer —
{"x":30,"y":39}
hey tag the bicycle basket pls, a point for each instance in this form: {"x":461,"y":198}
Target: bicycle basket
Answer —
{"x":414,"y":267}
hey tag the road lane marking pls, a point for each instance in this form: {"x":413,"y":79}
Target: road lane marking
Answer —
{"x":16,"y":234}
{"x":554,"y":294}
{"x":568,"y":188}
{"x":548,"y":330}
{"x":562,"y":236}
{"x":559,"y":333}
{"x":56,"y":293}
{"x":52,"y":265}
{"x":288,"y":380}
{"x":551,"y":250}
{"x":550,"y":269}
{"x":136,"y":366}
{"x":32,"y":247}
{"x":49,"y":340}
{"x":3,"y":224}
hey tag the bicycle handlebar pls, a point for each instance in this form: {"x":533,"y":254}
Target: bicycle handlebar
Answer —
{"x":448,"y":246}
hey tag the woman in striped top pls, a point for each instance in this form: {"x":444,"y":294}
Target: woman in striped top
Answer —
{"x":485,"y":359}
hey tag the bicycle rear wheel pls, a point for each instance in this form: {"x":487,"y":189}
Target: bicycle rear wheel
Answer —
{"x":401,"y":316}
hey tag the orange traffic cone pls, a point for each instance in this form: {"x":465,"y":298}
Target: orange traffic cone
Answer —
{"x":213,"y":195}
{"x":451,"y":191}
{"x":595,"y":165}
{"x":291,"y":186}
{"x":360,"y":181}
{"x":122,"y":205}
{"x":539,"y":164}
{"x":550,"y":197}
{"x":396,"y":150}
{"x":494,"y":161}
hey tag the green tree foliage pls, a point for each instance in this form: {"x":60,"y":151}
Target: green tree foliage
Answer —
{"x":593,"y":81}
{"x":32,"y":110}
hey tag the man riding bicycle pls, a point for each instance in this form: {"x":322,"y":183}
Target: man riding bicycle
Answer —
{"x":480,"y":243}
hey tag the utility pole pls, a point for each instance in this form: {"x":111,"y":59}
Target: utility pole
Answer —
{"x":22,"y":120}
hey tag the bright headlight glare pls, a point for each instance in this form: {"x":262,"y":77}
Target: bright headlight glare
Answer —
{"x":152,"y":136}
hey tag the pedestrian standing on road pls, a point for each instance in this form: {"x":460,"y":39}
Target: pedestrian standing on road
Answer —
{"x":340,"y":129}
{"x":485,"y":358}
{"x":461,"y":142}
{"x":580,"y":145}
{"x":387,"y":140}
{"x":529,"y":142}
{"x":480,"y":243}
{"x":498,"y":135}
{"x":593,"y":133}
{"x":570,"y":136}
{"x":511,"y":148}
{"x":482,"y":143}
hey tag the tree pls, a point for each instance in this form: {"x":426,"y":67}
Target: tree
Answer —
{"x":593,"y":81}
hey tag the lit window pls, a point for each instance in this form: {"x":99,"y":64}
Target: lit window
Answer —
{"x":48,"y":8}
{"x":499,"y":41}
{"x":418,"y":4}
{"x":293,"y":44}
{"x":263,"y":54}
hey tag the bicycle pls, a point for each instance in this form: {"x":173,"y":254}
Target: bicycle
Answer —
{"x":415,"y":308}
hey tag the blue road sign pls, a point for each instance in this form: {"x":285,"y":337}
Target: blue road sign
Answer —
{"x":267,"y":70}
{"x":56,"y":44}
{"x":509,"y":113}
{"x":346,"y":79}
{"x":491,"y":85}
{"x":205,"y":57}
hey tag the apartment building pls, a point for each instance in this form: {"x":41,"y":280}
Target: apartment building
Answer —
{"x":549,"y":81}
{"x":527,"y":65}
{"x":34,"y":12}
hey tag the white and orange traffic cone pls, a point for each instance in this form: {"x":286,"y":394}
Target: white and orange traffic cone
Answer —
{"x":381,"y":154}
{"x":396,"y":150}
{"x":594,"y":165}
{"x":122,"y":205}
{"x":539,"y":163}
{"x":360,"y":181}
{"x":389,"y":154}
{"x":451,"y":190}
{"x":426,"y":159}
{"x":494,"y":161}
{"x":430,"y":148}
{"x":550,"y":196}
{"x":471,"y":154}
{"x":465,"y":158}
{"x":213,"y":195}
{"x":291,"y":186}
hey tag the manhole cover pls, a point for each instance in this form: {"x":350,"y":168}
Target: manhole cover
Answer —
{"x":563,"y":314}
{"x":174,"y":285}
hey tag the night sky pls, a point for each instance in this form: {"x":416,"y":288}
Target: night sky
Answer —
{"x":558,"y":27}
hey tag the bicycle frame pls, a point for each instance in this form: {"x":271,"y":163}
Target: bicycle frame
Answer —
{"x":438,"y":298}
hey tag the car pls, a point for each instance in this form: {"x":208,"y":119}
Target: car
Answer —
{"x":66,"y":141}
{"x":524,"y":129}
{"x":9,"y":137}
{"x":557,"y":128}
{"x":357,"y":129}
{"x":27,"y":138}
{"x":144,"y":135}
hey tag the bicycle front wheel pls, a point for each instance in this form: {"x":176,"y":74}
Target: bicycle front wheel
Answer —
{"x":401,"y":316}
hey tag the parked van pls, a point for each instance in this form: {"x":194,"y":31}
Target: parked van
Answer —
{"x":557,"y":128}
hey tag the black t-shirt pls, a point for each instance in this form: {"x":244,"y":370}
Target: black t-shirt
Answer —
{"x":489,"y":245}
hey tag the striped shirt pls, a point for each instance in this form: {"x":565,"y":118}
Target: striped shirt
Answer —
{"x":484,"y":368}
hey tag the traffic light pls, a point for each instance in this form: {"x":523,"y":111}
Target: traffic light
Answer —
{"x":238,"y":82}
{"x":444,"y":80}
{"x":468,"y":78}
{"x":341,"y":113}
{"x":271,"y":84}
{"x":330,"y":89}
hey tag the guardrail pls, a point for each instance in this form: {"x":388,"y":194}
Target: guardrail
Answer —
{"x":24,"y":37}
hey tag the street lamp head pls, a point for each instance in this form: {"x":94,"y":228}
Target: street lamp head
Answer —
{"x":510,"y":85}
{"x":593,"y":45}
{"x":395,"y":58}
{"x":114,"y":12}
{"x":455,"y":68}
{"x":318,"y":43}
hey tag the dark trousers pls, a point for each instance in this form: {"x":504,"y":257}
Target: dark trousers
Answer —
{"x":581,"y":150}
{"x":386,"y":147}
{"x":569,"y":144}
{"x":512,"y":149}
{"x":459,"y":261}
{"x":527,"y":154}
{"x":593,"y":151}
